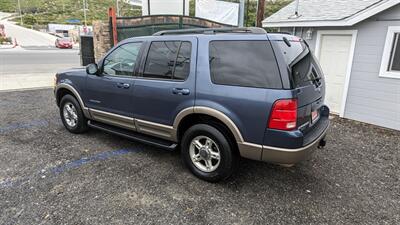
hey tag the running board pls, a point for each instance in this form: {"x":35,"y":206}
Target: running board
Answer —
{"x":146,"y":139}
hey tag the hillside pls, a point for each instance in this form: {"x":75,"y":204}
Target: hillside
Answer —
{"x":59,"y":11}
{"x":40,"y":12}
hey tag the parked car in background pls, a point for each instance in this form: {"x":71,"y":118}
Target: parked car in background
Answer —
{"x":64,"y":42}
{"x":218,"y":94}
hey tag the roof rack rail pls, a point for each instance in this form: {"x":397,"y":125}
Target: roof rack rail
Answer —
{"x":280,"y":32}
{"x":251,"y":30}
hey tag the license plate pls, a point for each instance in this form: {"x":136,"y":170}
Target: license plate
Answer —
{"x":314,"y":116}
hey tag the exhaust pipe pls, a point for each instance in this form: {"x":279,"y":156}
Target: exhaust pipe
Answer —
{"x":322,"y":143}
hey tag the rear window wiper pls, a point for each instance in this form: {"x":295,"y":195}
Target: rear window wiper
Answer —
{"x":287,"y":42}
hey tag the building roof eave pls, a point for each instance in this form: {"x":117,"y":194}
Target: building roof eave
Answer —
{"x":350,"y":21}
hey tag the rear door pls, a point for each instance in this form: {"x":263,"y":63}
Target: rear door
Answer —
{"x":238,"y":76}
{"x":166,"y":82}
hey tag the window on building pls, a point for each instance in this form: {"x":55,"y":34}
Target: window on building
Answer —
{"x":168,"y":60}
{"x":390,"y":66}
{"x":394,"y":63}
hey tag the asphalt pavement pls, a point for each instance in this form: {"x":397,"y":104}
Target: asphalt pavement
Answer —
{"x":50,"y":176}
{"x":37,"y":61}
{"x":35,"y":67}
{"x":34,"y":62}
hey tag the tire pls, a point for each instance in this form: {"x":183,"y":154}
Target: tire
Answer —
{"x":67,"y":116}
{"x":198,"y":157}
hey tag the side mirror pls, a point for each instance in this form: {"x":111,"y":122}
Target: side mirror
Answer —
{"x":92,"y":69}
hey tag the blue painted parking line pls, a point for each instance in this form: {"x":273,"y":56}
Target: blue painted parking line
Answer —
{"x":97,"y":157}
{"x":28,"y":125}
{"x":8,"y":183}
{"x":24,"y":125}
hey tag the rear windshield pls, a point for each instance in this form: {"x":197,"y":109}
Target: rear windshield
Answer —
{"x":244,"y":63}
{"x":304,"y":68}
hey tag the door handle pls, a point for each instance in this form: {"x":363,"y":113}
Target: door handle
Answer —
{"x":180,"y":91}
{"x":123,"y":85}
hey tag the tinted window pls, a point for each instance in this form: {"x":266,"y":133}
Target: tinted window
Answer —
{"x":182,"y":67}
{"x":244,"y":63}
{"x":290,"y":53}
{"x":164,"y":62}
{"x":122,"y":60}
{"x":304,"y":68}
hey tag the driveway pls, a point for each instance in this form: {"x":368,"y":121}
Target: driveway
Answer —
{"x":24,"y":36}
{"x":49,"y":176}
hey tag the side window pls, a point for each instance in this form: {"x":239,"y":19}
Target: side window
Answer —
{"x":168,"y":60}
{"x":121,"y":62}
{"x":182,"y":67}
{"x":244,"y":63}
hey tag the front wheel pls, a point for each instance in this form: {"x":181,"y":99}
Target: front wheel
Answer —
{"x":208,"y":154}
{"x":72,"y":115}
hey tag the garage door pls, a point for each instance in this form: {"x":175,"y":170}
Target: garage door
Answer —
{"x":334,"y":57}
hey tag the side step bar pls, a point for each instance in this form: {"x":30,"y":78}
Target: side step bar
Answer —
{"x":146,"y":139}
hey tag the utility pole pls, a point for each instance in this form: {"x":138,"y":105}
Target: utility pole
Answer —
{"x":20,"y":12}
{"x":260,"y":12}
{"x":84,"y":12}
{"x":148,"y":7}
{"x":117,"y":5}
{"x":184,"y":7}
{"x":241,"y":13}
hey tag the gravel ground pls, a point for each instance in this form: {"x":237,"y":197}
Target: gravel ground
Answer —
{"x":49,"y":176}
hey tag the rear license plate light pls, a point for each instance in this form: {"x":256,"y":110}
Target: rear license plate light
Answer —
{"x":314,"y":116}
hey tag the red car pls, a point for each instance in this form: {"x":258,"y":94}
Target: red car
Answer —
{"x":64,"y":42}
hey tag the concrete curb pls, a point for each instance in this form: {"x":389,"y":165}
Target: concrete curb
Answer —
{"x":9,"y":82}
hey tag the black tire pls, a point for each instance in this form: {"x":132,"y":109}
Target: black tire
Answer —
{"x":81,"y":124}
{"x":229,"y":159}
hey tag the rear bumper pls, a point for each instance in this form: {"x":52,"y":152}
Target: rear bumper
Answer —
{"x":280,"y":155}
{"x":291,"y":156}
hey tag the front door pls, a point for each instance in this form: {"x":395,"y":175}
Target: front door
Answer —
{"x":166,"y":84}
{"x":334,"y":55}
{"x":109,"y":95}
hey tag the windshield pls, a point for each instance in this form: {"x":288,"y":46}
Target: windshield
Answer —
{"x":66,"y":39}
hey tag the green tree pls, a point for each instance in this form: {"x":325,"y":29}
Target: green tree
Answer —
{"x":7,"y":6}
{"x":58,"y":11}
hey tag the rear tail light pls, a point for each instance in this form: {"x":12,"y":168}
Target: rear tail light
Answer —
{"x":283,"y":115}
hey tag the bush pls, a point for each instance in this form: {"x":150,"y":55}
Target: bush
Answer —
{"x":5,"y":40}
{"x":29,"y":19}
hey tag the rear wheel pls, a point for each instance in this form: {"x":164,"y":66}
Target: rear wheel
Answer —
{"x":208,"y":154}
{"x":72,"y":115}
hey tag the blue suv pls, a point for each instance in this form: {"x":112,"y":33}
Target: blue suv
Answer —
{"x":216,"y":94}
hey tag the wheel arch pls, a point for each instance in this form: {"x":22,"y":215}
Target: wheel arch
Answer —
{"x":63,"y":89}
{"x":191,"y":116}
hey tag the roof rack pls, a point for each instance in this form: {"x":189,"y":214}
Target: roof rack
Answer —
{"x":250,"y":30}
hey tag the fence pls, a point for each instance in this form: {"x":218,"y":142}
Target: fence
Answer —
{"x":117,"y":29}
{"x":126,"y":27}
